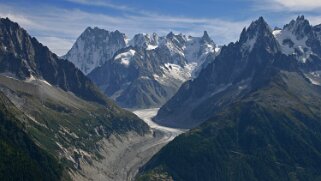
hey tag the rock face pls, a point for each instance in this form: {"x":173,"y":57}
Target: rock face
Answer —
{"x":151,"y":69}
{"x":301,"y":39}
{"x":257,"y":116}
{"x":58,"y":113}
{"x":234,"y":71}
{"x":94,"y":47}
{"x":23,"y":57}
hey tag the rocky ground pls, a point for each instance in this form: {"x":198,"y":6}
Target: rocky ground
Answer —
{"x":125,"y":154}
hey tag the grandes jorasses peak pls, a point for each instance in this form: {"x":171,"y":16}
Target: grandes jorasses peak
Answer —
{"x":94,"y":47}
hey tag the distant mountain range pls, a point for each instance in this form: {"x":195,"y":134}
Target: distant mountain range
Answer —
{"x":142,"y":72}
{"x":255,"y":111}
{"x":52,"y":115}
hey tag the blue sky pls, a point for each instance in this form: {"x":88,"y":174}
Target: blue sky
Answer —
{"x":58,"y":23}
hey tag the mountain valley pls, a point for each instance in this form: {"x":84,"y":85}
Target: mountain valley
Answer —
{"x":162,"y":107}
{"x":259,"y":119}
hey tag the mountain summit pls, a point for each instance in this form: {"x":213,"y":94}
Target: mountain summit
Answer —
{"x":94,"y":47}
{"x":258,"y":35}
{"x":240,"y":68}
{"x":148,"y":70}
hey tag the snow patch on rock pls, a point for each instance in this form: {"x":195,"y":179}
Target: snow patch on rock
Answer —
{"x":174,"y":72}
{"x":125,"y":57}
{"x":33,"y":79}
{"x":151,"y":47}
{"x":291,"y":45}
{"x":314,"y":77}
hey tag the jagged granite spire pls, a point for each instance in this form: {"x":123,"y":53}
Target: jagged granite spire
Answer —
{"x":170,"y":35}
{"x":257,"y":28}
{"x":299,"y":27}
{"x":259,"y":35}
{"x":300,"y":40}
{"x":206,"y":38}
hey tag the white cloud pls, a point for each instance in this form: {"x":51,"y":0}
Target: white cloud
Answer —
{"x":300,"y":4}
{"x":314,"y":20}
{"x":103,"y":3}
{"x":58,"y":28}
{"x":288,"y":5}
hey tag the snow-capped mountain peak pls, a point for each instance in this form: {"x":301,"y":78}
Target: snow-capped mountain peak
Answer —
{"x":145,"y":41}
{"x":150,"y":69}
{"x":259,"y":35}
{"x":299,"y":27}
{"x":258,"y":27}
{"x":294,"y":39}
{"x":94,"y":47}
{"x":193,"y":49}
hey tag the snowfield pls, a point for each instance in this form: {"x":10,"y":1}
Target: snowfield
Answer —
{"x":174,"y":74}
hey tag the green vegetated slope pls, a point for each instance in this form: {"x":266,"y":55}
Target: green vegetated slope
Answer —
{"x":274,"y":133}
{"x":60,"y":117}
{"x":20,"y":157}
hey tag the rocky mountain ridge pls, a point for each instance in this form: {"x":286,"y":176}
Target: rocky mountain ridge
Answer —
{"x":145,"y":71}
{"x":234,"y":71}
